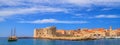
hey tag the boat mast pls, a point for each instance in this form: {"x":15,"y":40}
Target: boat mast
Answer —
{"x":14,"y":32}
{"x":11,"y":32}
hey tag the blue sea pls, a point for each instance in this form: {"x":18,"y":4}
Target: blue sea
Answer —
{"x":4,"y":41}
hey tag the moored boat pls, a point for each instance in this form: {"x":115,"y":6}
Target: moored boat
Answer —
{"x":13,"y":37}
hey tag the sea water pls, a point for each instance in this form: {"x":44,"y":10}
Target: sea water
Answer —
{"x":4,"y":41}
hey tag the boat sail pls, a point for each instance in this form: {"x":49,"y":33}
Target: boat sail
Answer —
{"x":13,"y":36}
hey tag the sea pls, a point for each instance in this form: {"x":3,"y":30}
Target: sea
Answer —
{"x":31,"y":41}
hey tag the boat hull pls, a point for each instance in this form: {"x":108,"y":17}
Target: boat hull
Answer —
{"x":12,"y":39}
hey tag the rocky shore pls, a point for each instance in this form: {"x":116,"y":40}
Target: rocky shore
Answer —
{"x":76,"y":38}
{"x":68,"y":38}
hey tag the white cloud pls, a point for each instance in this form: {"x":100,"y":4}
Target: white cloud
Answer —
{"x":21,"y":11}
{"x":80,"y":2}
{"x":106,"y":9}
{"x":90,"y":9}
{"x":9,"y":2}
{"x":97,"y":16}
{"x":53,"y":21}
{"x":79,"y":15}
{"x":34,"y":6}
{"x":9,"y":12}
{"x":107,"y":16}
{"x":89,"y":3}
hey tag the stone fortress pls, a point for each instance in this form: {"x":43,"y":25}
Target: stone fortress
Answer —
{"x":45,"y":32}
{"x":52,"y":32}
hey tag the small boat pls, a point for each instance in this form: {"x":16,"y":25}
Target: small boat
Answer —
{"x":13,"y":37}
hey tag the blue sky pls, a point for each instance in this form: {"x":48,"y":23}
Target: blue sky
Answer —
{"x":26,"y":15}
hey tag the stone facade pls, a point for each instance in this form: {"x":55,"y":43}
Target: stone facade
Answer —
{"x":60,"y":33}
{"x":87,"y":33}
{"x":45,"y":32}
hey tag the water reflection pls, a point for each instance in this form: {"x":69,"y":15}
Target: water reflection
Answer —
{"x":89,"y":42}
{"x":107,"y":42}
{"x":60,"y":42}
{"x":12,"y":43}
{"x":44,"y":42}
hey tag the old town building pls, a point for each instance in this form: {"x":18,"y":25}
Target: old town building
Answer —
{"x":87,"y":33}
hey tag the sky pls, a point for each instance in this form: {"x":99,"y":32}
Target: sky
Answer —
{"x":26,"y":15}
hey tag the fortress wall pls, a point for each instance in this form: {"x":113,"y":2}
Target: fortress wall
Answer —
{"x":45,"y":32}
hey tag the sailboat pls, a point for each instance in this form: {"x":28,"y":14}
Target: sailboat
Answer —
{"x":13,"y":36}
